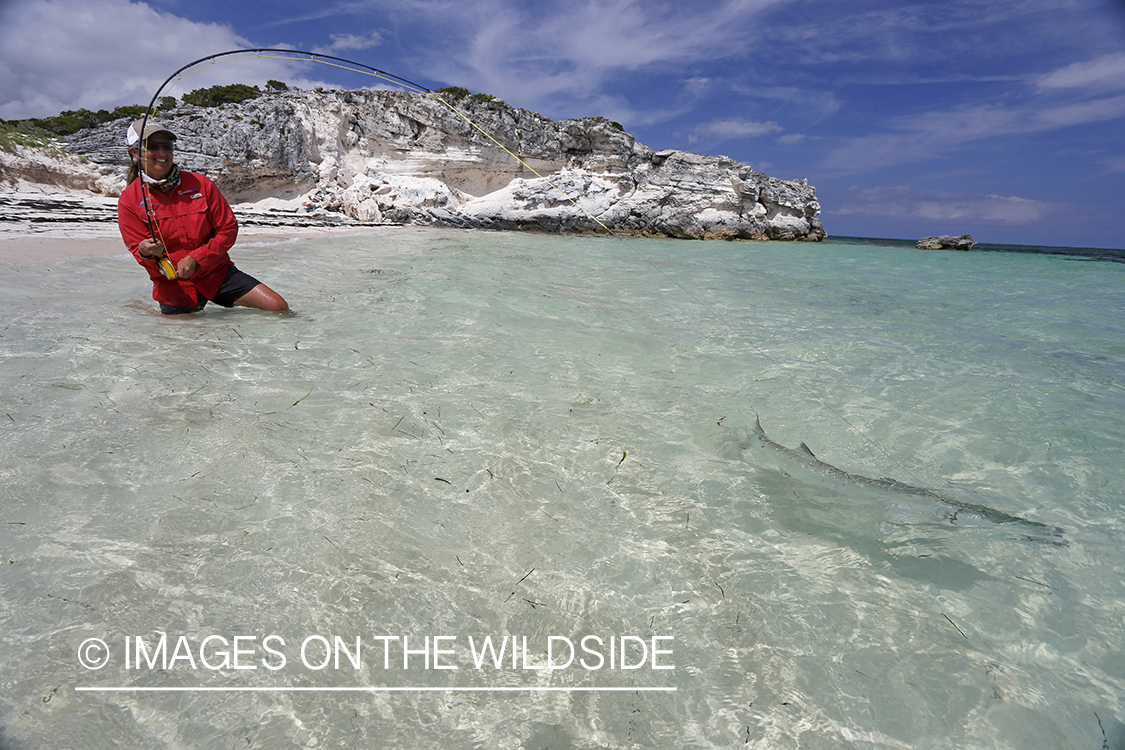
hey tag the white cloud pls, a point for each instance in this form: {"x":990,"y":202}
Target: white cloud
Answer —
{"x":345,"y":42}
{"x":1104,"y":72}
{"x":568,"y":50}
{"x":730,"y":129}
{"x":1011,"y":209}
{"x":57,"y":55}
{"x":822,"y":102}
{"x":936,"y":134}
{"x":902,"y":202}
{"x":1079,"y":113}
{"x":891,"y":41}
{"x":699,"y":83}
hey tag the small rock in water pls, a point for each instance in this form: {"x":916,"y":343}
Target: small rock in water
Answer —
{"x":945,"y":242}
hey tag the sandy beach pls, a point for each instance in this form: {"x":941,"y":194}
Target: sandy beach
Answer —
{"x":41,"y":228}
{"x":17,"y":251}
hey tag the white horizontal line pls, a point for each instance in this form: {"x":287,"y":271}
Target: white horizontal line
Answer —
{"x":374,"y":689}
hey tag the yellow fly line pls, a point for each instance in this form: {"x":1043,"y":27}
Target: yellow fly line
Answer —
{"x":290,"y":55}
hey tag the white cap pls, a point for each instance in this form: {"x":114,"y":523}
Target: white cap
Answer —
{"x":132,"y":135}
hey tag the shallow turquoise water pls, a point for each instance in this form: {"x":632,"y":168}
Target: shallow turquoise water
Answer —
{"x":463,"y":434}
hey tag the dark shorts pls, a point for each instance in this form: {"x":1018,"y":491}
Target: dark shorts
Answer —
{"x":235,"y":285}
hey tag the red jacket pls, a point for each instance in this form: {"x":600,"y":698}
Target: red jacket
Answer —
{"x":194,"y":219}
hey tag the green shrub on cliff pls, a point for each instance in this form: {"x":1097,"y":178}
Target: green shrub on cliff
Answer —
{"x":453,"y":92}
{"x":71,"y":121}
{"x":23,"y":133}
{"x":219,"y":95}
{"x":612,"y":123}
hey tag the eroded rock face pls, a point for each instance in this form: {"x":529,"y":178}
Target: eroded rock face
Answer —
{"x":43,"y":170}
{"x":413,"y":158}
{"x":945,"y":242}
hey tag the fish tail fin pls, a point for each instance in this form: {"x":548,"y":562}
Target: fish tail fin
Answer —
{"x":758,"y":426}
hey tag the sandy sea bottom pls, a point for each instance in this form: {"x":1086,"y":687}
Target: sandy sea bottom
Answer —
{"x":546,"y":441}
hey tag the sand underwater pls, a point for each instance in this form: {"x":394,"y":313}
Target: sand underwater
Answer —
{"x":243,"y":530}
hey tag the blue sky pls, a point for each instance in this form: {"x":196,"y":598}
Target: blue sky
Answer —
{"x":998,"y":118}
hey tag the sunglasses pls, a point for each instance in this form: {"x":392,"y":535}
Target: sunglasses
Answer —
{"x":159,"y":146}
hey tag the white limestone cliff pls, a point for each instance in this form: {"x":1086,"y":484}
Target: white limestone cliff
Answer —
{"x":380,"y":156}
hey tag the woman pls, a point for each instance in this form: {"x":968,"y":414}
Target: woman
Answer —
{"x":185,"y":248}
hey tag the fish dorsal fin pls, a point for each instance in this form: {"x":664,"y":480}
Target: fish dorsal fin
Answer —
{"x":805,"y":449}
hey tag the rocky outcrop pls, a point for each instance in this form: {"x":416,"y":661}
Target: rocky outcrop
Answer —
{"x":380,"y":156}
{"x":51,"y":170}
{"x":945,"y":242}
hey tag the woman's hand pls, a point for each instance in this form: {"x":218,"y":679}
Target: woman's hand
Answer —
{"x":150,"y":248}
{"x":186,"y":267}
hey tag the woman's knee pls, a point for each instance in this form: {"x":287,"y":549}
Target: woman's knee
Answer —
{"x":262,"y":297}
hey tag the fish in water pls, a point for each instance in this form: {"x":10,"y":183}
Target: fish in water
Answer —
{"x":805,"y":457}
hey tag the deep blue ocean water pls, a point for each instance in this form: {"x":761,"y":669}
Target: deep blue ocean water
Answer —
{"x":548,"y":441}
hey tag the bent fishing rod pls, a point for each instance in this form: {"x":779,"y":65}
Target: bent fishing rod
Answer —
{"x":339,"y":62}
{"x":256,"y":52}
